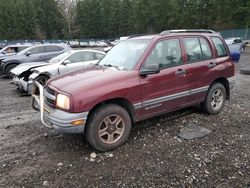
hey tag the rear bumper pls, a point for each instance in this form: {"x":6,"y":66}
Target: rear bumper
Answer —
{"x":57,"y":119}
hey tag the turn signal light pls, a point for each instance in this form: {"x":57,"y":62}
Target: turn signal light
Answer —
{"x":78,"y":122}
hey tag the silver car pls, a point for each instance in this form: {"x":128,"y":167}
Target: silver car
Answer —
{"x":73,"y":60}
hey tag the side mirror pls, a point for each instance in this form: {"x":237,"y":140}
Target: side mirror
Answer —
{"x":28,"y":53}
{"x":66,"y":62}
{"x":150,"y":69}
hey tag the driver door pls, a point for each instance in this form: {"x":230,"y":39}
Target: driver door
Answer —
{"x":168,"y":89}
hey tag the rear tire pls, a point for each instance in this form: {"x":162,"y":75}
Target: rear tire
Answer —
{"x":108,"y":127}
{"x":215,"y":100}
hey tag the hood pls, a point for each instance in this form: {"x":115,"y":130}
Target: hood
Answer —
{"x":7,"y":55}
{"x":90,"y":78}
{"x":26,"y":66}
{"x":13,"y":57}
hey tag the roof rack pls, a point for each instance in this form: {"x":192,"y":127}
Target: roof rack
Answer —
{"x":187,"y":31}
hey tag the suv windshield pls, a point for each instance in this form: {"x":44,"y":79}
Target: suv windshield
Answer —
{"x":125,"y":55}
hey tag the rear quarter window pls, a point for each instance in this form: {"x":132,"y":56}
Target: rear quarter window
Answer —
{"x":220,"y":48}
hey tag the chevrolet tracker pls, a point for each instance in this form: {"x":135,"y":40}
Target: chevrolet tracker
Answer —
{"x":140,"y":78}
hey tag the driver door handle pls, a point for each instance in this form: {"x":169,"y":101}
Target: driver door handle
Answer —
{"x":180,"y":72}
{"x":211,"y":65}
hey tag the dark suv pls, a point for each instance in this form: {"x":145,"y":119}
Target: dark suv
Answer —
{"x":37,"y":53}
{"x":139,"y":78}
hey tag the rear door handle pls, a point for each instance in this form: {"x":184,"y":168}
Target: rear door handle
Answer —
{"x":211,"y":65}
{"x":180,"y":72}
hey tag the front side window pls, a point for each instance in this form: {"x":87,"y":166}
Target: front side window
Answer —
{"x":193,"y":49}
{"x":87,"y":56}
{"x":75,"y":58}
{"x":125,"y":55}
{"x":221,"y":50}
{"x":166,"y":53}
{"x":37,"y":50}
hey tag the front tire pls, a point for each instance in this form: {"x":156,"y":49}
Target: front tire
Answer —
{"x":108,"y":127}
{"x":215,"y":100}
{"x":42,"y":79}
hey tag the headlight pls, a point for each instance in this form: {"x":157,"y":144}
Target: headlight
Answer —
{"x":63,"y":101}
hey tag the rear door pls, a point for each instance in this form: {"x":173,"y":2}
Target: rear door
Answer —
{"x":167,"y":90}
{"x":200,"y":66}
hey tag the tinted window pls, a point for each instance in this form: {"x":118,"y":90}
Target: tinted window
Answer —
{"x":166,"y":53}
{"x":193,"y":49}
{"x":21,"y":48}
{"x":53,"y":48}
{"x":221,"y":50}
{"x":206,"y":51}
{"x":37,"y":50}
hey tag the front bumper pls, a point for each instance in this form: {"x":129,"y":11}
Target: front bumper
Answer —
{"x":57,"y":119}
{"x":22,"y":85}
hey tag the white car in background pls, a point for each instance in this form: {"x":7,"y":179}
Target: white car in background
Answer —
{"x":73,"y":60}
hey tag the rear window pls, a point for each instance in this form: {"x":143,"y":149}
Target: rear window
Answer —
{"x":221,"y":50}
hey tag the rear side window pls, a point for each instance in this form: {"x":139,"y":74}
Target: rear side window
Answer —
{"x":53,"y":49}
{"x":193,"y":49}
{"x":221,"y":50}
{"x":206,"y":51}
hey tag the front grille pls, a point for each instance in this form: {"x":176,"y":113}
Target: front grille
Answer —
{"x":49,"y":96}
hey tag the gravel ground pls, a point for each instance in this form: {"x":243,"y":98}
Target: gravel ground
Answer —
{"x":33,"y":156}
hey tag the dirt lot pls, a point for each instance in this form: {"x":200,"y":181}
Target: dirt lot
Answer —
{"x":33,"y":156}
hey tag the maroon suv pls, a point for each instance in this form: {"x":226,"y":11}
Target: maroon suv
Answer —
{"x":139,"y":78}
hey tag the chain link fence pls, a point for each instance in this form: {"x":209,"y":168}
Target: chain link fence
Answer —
{"x":244,"y":33}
